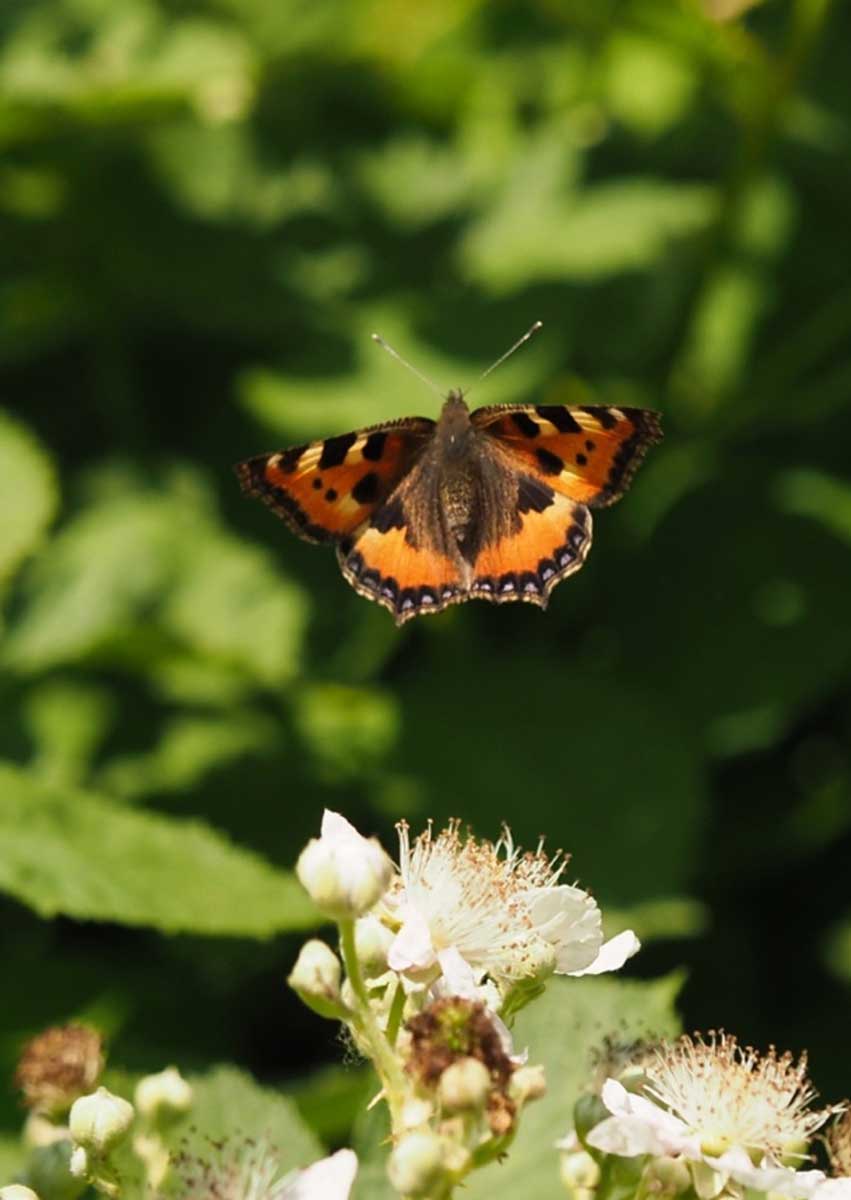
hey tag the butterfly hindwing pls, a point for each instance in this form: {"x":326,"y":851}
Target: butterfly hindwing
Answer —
{"x":589,"y":454}
{"x":324,"y":490}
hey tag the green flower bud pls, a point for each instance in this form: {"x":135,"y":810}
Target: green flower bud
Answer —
{"x":465,"y":1084}
{"x":416,"y":1165}
{"x":579,"y":1173}
{"x":316,"y":979}
{"x":163,"y":1095}
{"x":49,"y":1172}
{"x":100,"y":1121}
{"x":588,"y":1111}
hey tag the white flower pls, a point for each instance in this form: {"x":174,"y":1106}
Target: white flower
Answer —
{"x":728,"y":1110}
{"x":467,"y":909}
{"x":167,"y":1091}
{"x":344,"y":873}
{"x":250,"y":1171}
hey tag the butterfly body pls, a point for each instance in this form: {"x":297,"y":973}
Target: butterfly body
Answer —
{"x":493,"y":504}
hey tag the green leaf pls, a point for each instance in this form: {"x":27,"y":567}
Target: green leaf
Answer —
{"x":28,"y":494}
{"x":71,"y":853}
{"x":12,"y":1159}
{"x":232,"y":1121}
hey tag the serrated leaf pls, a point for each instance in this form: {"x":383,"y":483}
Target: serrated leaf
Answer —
{"x":28,"y":494}
{"x":75,"y":854}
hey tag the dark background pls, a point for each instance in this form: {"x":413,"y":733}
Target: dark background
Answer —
{"x":205,"y":209}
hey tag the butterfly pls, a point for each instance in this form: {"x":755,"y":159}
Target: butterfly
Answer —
{"x":493,"y":504}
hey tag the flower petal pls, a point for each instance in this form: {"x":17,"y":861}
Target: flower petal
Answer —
{"x":329,"y":1179}
{"x":570,"y":921}
{"x":640,"y":1126}
{"x":613,"y":954}
{"x":768,"y":1176}
{"x":459,"y":975}
{"x":412,"y":948}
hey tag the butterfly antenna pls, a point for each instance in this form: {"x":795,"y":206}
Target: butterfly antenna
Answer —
{"x":376,"y":337}
{"x":525,"y":338}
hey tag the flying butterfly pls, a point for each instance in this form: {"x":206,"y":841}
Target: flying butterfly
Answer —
{"x":493,"y":504}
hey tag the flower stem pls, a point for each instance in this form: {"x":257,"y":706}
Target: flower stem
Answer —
{"x":381,"y":1050}
{"x":394,"y":1020}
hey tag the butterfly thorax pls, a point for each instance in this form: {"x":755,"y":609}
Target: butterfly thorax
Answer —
{"x":456,"y":463}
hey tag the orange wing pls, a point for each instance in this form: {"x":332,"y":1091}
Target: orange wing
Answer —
{"x":589,"y":454}
{"x":325,"y":490}
{"x":384,"y":565}
{"x":552,"y":542}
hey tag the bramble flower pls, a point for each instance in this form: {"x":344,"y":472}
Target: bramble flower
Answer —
{"x":250,"y":1171}
{"x":344,"y":873}
{"x":719,"y":1106}
{"x":466,"y":909}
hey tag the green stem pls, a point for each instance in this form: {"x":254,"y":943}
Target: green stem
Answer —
{"x":381,"y":1050}
{"x":397,"y":1007}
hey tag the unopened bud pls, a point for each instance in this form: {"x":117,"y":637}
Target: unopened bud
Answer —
{"x":100,"y":1121}
{"x":416,"y":1165}
{"x":794,"y":1153}
{"x":579,"y":1173}
{"x":666,"y":1176}
{"x":163,"y":1095}
{"x":78,"y":1164}
{"x":41,"y":1131}
{"x":16,"y":1191}
{"x":633,"y":1078}
{"x":316,"y":979}
{"x":49,"y":1172}
{"x":588,"y":1111}
{"x":465,"y":1084}
{"x":344,"y":873}
{"x":416,"y":1112}
{"x":528,"y":1083}
{"x":372,"y":941}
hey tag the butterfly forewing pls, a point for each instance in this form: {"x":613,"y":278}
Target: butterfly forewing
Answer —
{"x":589,"y":454}
{"x":326,"y":490}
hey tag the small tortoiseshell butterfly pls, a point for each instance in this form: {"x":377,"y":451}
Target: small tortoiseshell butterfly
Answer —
{"x":490,"y":505}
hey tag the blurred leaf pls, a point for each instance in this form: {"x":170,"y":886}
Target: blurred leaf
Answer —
{"x":233,"y":1121}
{"x":12,"y":1159}
{"x":814,"y":494}
{"x":541,"y":229}
{"x":347,"y":729}
{"x":649,"y":84}
{"x":136,"y":551}
{"x":67,"y":720}
{"x":71,"y":853}
{"x":28,"y":494}
{"x":836,"y":950}
{"x":332,"y":1098}
{"x":189,"y":749}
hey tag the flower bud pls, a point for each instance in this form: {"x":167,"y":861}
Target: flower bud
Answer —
{"x":588,"y":1111}
{"x":579,"y":1173}
{"x":372,"y":941}
{"x":465,"y":1084}
{"x":416,"y":1112}
{"x":316,"y":980}
{"x":343,"y":873}
{"x":666,"y":1176}
{"x":528,"y":1083}
{"x":100,"y":1121}
{"x":416,"y":1165}
{"x":163,"y":1095}
{"x":16,"y":1191}
{"x":49,"y":1173}
{"x":78,"y":1164}
{"x":41,"y":1131}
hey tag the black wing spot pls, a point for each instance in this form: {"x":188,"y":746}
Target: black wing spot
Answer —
{"x":525,"y":424}
{"x":366,"y":488}
{"x":331,"y":495}
{"x":582,"y":460}
{"x":559,"y":416}
{"x":604,"y":416}
{"x":390,"y":516}
{"x":590,"y":446}
{"x":317,"y":485}
{"x":289,"y":459}
{"x":335,"y":449}
{"x":532,"y":495}
{"x":373,"y":447}
{"x":550,"y":463}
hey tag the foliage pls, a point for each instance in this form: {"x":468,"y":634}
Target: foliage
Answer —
{"x":205,"y":209}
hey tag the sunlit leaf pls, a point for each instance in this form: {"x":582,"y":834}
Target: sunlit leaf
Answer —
{"x":27,"y":494}
{"x":71,"y":853}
